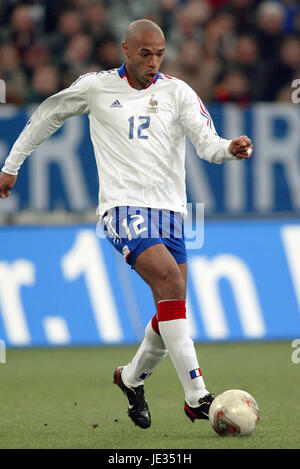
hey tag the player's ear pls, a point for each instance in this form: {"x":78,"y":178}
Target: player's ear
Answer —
{"x":125,"y":48}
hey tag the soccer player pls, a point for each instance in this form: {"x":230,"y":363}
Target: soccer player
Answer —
{"x":138,"y":121}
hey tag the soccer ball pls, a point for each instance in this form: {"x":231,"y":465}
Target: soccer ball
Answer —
{"x":234,"y":412}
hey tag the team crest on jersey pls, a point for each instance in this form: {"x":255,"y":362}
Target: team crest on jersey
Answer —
{"x":153,"y":105}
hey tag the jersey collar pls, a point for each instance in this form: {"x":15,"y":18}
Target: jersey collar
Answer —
{"x":122,"y":73}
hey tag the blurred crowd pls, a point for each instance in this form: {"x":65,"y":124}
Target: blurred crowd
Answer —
{"x":237,"y":51}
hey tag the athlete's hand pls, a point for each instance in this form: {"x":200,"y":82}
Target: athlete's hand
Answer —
{"x":7,"y":182}
{"x":241,"y":147}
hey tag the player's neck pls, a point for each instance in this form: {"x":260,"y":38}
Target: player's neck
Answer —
{"x":134,"y":82}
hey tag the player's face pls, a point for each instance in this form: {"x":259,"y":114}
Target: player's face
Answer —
{"x":144,"y":56}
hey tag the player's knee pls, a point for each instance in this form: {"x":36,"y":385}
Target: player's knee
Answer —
{"x":171,"y":284}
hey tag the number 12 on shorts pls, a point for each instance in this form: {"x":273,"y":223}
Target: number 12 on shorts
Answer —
{"x":144,"y":125}
{"x":136,"y":224}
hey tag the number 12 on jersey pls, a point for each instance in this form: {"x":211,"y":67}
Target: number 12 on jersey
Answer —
{"x":140,"y":128}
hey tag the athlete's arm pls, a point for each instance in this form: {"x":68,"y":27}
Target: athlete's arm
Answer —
{"x":199,"y":127}
{"x":48,"y":118}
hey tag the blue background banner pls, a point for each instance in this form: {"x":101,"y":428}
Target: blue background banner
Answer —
{"x":64,"y":285}
{"x":61,"y":173}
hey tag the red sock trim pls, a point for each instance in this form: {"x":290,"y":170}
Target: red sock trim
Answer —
{"x":154,"y":323}
{"x":167,"y":310}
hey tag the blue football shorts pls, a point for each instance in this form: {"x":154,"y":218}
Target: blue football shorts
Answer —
{"x":131,"y":230}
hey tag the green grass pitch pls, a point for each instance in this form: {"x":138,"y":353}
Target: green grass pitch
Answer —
{"x":65,"y":398}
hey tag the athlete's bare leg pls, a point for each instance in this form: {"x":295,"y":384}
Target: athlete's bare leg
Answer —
{"x":167,"y":332}
{"x":183,"y":269}
{"x":160,"y":271}
{"x":168,"y":281}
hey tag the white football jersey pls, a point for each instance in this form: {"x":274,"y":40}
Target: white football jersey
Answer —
{"x":138,"y":136}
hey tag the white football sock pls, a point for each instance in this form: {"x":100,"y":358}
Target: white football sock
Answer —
{"x":150,"y":353}
{"x":183,"y":355}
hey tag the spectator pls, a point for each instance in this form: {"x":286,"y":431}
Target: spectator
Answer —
{"x":95,"y":19}
{"x":217,"y":3}
{"x":69,"y":24}
{"x":167,"y":12}
{"x":189,"y":23}
{"x":234,"y":87}
{"x":13,"y":75}
{"x":23,"y":31}
{"x":270,"y":22}
{"x":220,"y":37}
{"x":77,"y":55}
{"x":121,"y":12}
{"x":171,"y":68}
{"x":247,"y":59}
{"x":109,"y":54}
{"x":243,"y":12}
{"x":4,"y":14}
{"x":190,"y":60}
{"x":36,"y":56}
{"x":296,"y":22}
{"x":211,"y":43}
{"x":290,"y":8}
{"x":285,"y":70}
{"x":45,"y":82}
{"x":195,"y":69}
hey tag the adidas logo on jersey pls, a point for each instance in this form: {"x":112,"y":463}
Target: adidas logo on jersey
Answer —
{"x":116,"y":103}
